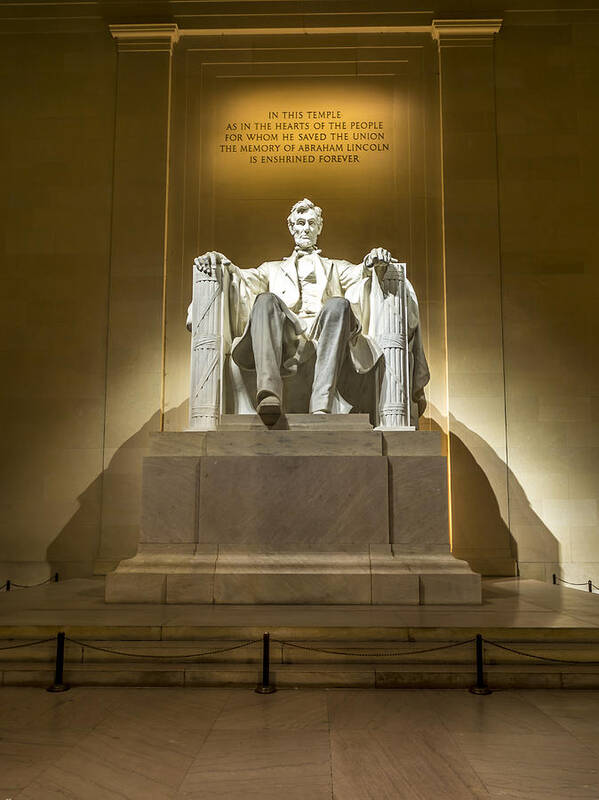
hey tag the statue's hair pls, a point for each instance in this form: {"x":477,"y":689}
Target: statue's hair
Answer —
{"x":304,"y":205}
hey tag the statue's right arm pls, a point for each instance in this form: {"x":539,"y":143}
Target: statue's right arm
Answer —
{"x":255,"y":280}
{"x":209,"y":262}
{"x":245,"y":286}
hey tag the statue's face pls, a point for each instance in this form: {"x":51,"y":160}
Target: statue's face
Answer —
{"x":305,"y":228}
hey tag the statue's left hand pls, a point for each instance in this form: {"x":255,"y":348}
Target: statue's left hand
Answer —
{"x":378,"y":259}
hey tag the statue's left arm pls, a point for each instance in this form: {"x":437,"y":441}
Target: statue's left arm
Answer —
{"x":362,"y":285}
{"x":419,"y":372}
{"x":374,"y":265}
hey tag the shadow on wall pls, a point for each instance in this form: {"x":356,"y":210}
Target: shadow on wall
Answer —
{"x":480,"y":481}
{"x":105,"y":528}
{"x":479,"y":477}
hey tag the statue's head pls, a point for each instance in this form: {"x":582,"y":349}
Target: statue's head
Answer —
{"x":305,"y":223}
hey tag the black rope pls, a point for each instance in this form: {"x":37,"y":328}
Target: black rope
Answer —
{"x":373,"y":654}
{"x":542,"y":658}
{"x":584,"y":583}
{"x":2,"y":587}
{"x":32,"y":585}
{"x":170,"y":655}
{"x":29,"y":644}
{"x":305,"y":647}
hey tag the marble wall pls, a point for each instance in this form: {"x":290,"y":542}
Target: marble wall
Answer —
{"x":548,"y":118}
{"x":89,"y":330}
{"x":57,"y":106}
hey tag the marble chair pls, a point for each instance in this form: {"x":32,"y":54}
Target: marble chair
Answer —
{"x":219,"y":387}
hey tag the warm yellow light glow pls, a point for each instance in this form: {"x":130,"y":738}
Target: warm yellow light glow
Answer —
{"x":342,"y":141}
{"x":449,"y":503}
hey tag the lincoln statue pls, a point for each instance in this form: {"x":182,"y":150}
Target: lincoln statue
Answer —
{"x":304,"y":321}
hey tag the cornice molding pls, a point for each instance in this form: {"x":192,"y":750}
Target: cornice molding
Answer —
{"x":204,"y":18}
{"x":149,"y":38}
{"x":465,"y":32}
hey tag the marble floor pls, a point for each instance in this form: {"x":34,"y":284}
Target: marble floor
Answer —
{"x":146,"y":744}
{"x":79,"y":603}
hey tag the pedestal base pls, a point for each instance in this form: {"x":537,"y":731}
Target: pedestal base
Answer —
{"x":322,"y":510}
{"x":370,"y":577}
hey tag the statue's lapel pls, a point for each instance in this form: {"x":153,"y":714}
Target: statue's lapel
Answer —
{"x":323,"y":269}
{"x":290,"y":270}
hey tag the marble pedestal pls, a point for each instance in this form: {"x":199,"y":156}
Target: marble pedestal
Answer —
{"x":321,"y":509}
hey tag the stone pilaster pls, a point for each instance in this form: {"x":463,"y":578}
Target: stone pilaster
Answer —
{"x":157,"y":38}
{"x":473,"y":294}
{"x":134,"y":391}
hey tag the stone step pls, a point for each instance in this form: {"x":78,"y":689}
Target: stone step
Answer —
{"x":339,"y":652}
{"x":372,"y":635}
{"x":312,"y":422}
{"x":418,"y":676}
{"x":322,"y":439}
{"x":140,"y":660}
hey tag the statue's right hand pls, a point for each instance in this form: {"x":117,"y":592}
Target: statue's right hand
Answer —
{"x":210,"y":261}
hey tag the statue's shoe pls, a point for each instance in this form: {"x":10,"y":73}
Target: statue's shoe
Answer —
{"x":269,"y":409}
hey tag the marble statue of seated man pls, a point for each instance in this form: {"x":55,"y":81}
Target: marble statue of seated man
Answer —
{"x":309,"y":309}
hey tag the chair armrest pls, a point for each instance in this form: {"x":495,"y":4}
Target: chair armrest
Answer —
{"x":207,"y":324}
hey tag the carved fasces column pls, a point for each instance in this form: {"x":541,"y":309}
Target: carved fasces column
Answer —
{"x":207,"y":327}
{"x":134,"y":388}
{"x":473,"y":300}
{"x":390,"y":333}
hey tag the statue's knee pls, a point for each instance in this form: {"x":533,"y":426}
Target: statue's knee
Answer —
{"x":265,"y":300}
{"x":336,"y":306}
{"x":266,"y":297}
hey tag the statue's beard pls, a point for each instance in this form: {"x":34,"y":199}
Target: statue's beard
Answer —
{"x":305,"y":243}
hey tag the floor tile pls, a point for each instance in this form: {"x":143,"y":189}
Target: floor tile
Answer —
{"x":286,"y":709}
{"x":388,"y":765}
{"x":532,"y":766}
{"x":161,"y":757}
{"x":168,"y":744}
{"x":182,"y":709}
{"x":500,"y":712}
{"x":147,"y":739}
{"x":21,"y":762}
{"x":575,"y":711}
{"x":365,"y":710}
{"x":84,"y":776}
{"x":269,"y":764}
{"x":578,"y":704}
{"x":23,"y":706}
{"x":80,"y":709}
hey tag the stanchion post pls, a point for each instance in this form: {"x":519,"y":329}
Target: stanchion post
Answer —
{"x":480,"y":687}
{"x":590,"y":584}
{"x":7,"y":585}
{"x":265,"y":687}
{"x":56,"y":577}
{"x":554,"y":579}
{"x":58,"y":685}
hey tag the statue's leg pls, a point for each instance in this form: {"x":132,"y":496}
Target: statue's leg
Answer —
{"x":334,"y":328}
{"x":267,"y":330}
